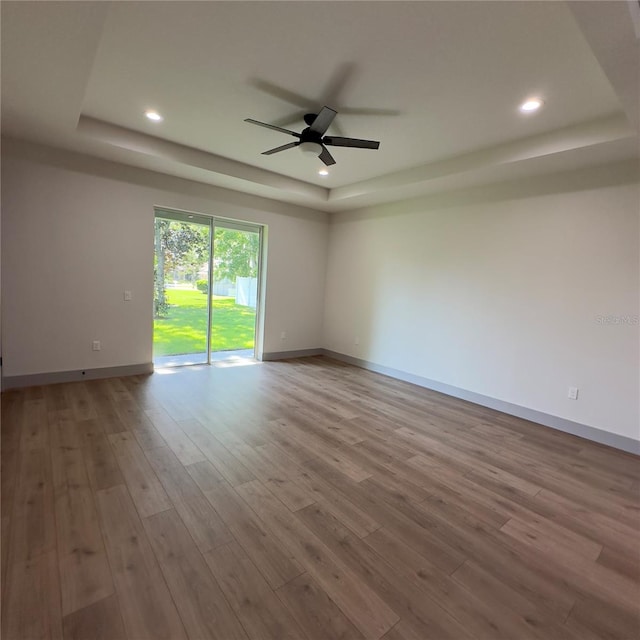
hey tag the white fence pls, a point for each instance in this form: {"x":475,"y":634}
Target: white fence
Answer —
{"x":224,"y":288}
{"x":247,"y":292}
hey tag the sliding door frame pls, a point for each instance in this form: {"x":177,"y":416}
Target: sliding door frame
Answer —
{"x":224,"y":223}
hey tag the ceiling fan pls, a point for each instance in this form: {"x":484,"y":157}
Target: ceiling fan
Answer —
{"x":313,"y":140}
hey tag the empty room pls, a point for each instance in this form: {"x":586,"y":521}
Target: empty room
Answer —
{"x":320,"y":320}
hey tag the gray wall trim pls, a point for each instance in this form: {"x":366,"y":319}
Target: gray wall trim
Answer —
{"x":561,"y":424}
{"x":284,"y":355}
{"x":54,"y":377}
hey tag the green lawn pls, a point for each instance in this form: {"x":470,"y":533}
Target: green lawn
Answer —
{"x":184,"y":330}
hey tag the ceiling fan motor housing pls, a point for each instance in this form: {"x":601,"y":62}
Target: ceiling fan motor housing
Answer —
{"x":308,"y":135}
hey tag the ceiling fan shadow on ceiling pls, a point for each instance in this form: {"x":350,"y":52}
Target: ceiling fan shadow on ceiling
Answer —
{"x":313,"y":140}
{"x":332,"y":93}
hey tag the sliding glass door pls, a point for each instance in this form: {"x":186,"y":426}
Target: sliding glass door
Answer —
{"x":235,"y":290}
{"x":181,"y":309}
{"x":206,"y":289}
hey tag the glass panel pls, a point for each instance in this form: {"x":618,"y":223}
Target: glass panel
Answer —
{"x":181,"y":305}
{"x":236,"y":257}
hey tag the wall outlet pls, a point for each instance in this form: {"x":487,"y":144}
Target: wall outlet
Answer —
{"x":128,"y":295}
{"x":283,"y":335}
{"x":572,"y":394}
{"x":356,"y":340}
{"x":96,"y":346}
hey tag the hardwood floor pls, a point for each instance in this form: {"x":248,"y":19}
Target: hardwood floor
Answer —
{"x":306,"y":499}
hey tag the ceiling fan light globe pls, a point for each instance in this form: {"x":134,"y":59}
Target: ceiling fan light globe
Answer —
{"x":310,"y":148}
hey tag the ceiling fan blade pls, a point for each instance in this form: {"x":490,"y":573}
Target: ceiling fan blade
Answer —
{"x":323,"y":120}
{"x":334,"y":88}
{"x":272,"y":126}
{"x":336,"y":141}
{"x":281,"y":93}
{"x":293,"y":118}
{"x":282,"y":148}
{"x":326,"y":157}
{"x":355,"y":111}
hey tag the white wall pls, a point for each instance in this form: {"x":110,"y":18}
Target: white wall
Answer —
{"x":495,"y":290}
{"x":499,"y":292}
{"x":77,"y":232}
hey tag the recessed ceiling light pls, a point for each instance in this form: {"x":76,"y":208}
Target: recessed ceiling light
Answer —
{"x":323,"y":172}
{"x":531,"y":105}
{"x":153,"y":115}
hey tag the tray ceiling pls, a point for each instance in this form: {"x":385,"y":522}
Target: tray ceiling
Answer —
{"x":438,"y":83}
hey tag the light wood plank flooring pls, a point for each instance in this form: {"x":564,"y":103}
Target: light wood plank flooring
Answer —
{"x":306,"y":499}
